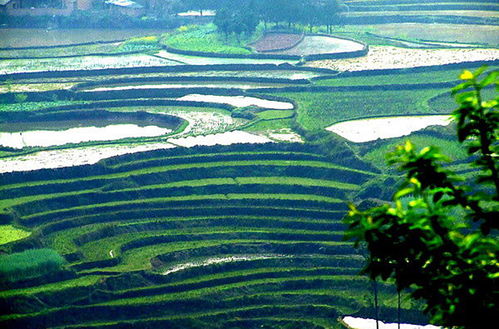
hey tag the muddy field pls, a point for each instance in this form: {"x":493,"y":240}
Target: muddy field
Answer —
{"x":40,"y":37}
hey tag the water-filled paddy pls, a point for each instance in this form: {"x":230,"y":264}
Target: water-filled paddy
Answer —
{"x":323,"y":45}
{"x":197,"y":60}
{"x":45,"y":138}
{"x":73,"y":157}
{"x":366,"y":130}
{"x":227,"y":138}
{"x":43,"y":37}
{"x":360,"y":323}
{"x":388,"y":57}
{"x":239,"y":101}
{"x":217,"y":260}
{"x":187,"y":85}
{"x":93,"y":154}
{"x":441,"y":32}
{"x":82,"y":63}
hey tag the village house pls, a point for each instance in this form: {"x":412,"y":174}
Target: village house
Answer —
{"x":43,"y":7}
{"x":67,"y":7}
{"x":125,"y":7}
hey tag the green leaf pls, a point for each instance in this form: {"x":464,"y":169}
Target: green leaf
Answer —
{"x":491,"y":78}
{"x":480,"y":70}
{"x":466,"y":97}
{"x":460,"y":87}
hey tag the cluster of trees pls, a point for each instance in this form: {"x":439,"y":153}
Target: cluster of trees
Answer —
{"x":243,"y":16}
{"x":439,"y":238}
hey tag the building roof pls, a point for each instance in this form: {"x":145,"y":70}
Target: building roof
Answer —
{"x":124,"y":3}
{"x":4,"y":2}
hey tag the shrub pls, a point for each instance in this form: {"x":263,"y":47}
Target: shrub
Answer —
{"x":29,"y":264}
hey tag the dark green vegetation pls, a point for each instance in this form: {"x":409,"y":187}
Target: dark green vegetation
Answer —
{"x":448,"y":228}
{"x":242,"y":230}
{"x":29,"y":264}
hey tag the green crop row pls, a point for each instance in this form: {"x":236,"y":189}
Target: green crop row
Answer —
{"x":100,"y":249}
{"x":388,"y":79}
{"x":55,"y":287}
{"x":321,"y":109}
{"x":226,"y":181}
{"x":64,"y":240}
{"x":212,"y":165}
{"x":140,"y":258}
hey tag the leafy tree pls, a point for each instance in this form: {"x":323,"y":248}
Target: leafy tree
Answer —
{"x":237,"y":19}
{"x":438,"y":238}
{"x":223,"y":21}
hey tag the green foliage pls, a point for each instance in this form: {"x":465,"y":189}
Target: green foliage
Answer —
{"x":439,"y":243}
{"x":139,"y":44}
{"x":376,"y":151}
{"x":20,"y":98}
{"x":204,"y":38}
{"x":237,"y":20}
{"x":9,"y":233}
{"x":275,"y":114}
{"x":29,"y":264}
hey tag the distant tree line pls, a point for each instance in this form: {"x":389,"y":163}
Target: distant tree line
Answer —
{"x":243,"y":16}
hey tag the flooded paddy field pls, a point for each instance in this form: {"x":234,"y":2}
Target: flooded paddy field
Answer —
{"x":365,"y":130}
{"x":14,"y":38}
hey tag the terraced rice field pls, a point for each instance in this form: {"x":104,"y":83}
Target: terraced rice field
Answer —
{"x":485,"y":34}
{"x":231,"y":218}
{"x":192,"y":236}
{"x":14,"y":38}
{"x":384,"y":57}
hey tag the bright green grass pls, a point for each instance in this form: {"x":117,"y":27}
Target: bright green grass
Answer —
{"x":275,"y":114}
{"x":247,"y":272}
{"x":213,"y":290}
{"x":9,"y":233}
{"x":204,"y":38}
{"x":297,"y":181}
{"x":99,"y":249}
{"x":233,"y":312}
{"x":451,"y":148}
{"x":314,"y":164}
{"x":83,"y":281}
{"x":34,"y":106}
{"x":62,"y":241}
{"x":139,"y":258}
{"x":283,"y":220}
{"x":322,"y":109}
{"x":228,"y":196}
{"x":199,"y":155}
{"x":166,"y":109}
{"x":386,"y":79}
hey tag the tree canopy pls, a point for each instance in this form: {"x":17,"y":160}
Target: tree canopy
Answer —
{"x":242,"y":16}
{"x":438,"y":238}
